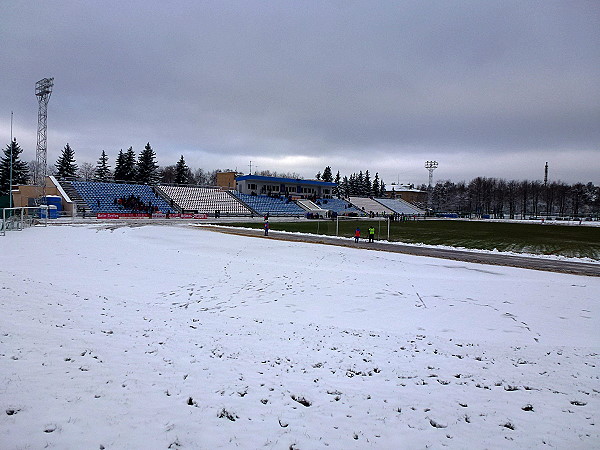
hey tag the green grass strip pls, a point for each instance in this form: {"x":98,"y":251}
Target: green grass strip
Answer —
{"x":571,"y":241}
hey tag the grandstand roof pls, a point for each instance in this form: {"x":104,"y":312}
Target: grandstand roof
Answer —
{"x":285,"y":180}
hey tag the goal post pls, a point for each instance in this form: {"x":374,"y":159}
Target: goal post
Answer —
{"x":346,"y":225}
{"x":19,"y":218}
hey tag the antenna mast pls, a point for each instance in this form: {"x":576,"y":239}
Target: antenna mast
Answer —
{"x":43,"y":90}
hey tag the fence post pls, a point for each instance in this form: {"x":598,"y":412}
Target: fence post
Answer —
{"x":388,"y":228}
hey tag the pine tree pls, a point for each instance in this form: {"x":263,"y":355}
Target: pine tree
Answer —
{"x":102,"y":172}
{"x":327,"y":176}
{"x":318,"y":175}
{"x":65,"y":165}
{"x":381,"y":188}
{"x":146,"y":168}
{"x":120,"y":166}
{"x":376,"y":190}
{"x":130,"y":165}
{"x":367,"y":187}
{"x":345,"y":190}
{"x":182,"y":172}
{"x":337,"y":190}
{"x":360,"y":184}
{"x":20,"y":169}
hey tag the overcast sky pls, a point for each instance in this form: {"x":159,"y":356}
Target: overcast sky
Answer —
{"x":486,"y":88}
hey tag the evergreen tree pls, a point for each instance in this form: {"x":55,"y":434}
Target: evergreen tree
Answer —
{"x":147,"y":169}
{"x":367,"y":185}
{"x":20,"y":169}
{"x":375,"y":188}
{"x":345,"y":189}
{"x":360,"y":185}
{"x":65,"y":165}
{"x":327,"y":176}
{"x":318,"y":175}
{"x":182,"y":172}
{"x":130,"y":165}
{"x":337,"y":189}
{"x":381,"y":188}
{"x":352,"y":185}
{"x":120,"y":166}
{"x":102,"y":172}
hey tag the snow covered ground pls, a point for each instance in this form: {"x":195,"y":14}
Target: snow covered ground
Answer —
{"x":178,"y":337}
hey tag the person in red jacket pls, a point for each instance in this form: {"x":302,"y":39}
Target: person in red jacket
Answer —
{"x":357,"y":234}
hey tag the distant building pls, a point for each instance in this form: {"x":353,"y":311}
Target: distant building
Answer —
{"x":226,"y":179}
{"x":275,"y":186}
{"x":407,"y":193}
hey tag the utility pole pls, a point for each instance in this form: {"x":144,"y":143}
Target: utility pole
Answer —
{"x":43,"y":90}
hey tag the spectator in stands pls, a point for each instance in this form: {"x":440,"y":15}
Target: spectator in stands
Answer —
{"x":356,"y":234}
{"x":266,"y":228}
{"x":371,"y":233}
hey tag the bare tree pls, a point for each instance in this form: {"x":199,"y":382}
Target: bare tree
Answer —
{"x":86,"y":171}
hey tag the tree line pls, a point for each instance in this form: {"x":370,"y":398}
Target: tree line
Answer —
{"x":514,"y":199}
{"x":495,"y":197}
{"x":356,"y":185}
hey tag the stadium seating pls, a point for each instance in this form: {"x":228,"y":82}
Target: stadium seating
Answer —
{"x":400,"y":206}
{"x":274,"y":206}
{"x":205,"y":200}
{"x":339,"y":206}
{"x":101,"y":197}
{"x":369,"y":205}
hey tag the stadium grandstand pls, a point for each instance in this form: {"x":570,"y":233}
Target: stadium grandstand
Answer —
{"x":205,"y":200}
{"x":284,"y":197}
{"x":370,"y":206}
{"x":120,"y":198}
{"x":339,"y":206}
{"x":274,"y":206}
{"x":399,"y":206}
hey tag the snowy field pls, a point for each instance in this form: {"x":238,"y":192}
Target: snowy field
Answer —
{"x":160,"y":337}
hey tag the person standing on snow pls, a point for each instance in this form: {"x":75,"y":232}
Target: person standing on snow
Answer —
{"x":357,"y":235}
{"x":371,"y":233}
{"x":266,"y":228}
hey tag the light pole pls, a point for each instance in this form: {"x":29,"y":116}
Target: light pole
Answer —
{"x":10,"y":203}
{"x":431,"y":166}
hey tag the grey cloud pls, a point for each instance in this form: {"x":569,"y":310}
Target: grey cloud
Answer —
{"x":372,"y":81}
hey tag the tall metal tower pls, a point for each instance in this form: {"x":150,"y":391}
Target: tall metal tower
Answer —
{"x":431,"y":166}
{"x":43,"y":90}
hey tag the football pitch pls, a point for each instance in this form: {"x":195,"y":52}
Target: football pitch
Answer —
{"x":576,"y":241}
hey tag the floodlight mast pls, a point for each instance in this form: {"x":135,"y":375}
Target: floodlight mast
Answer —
{"x":43,"y":90}
{"x":431,"y":166}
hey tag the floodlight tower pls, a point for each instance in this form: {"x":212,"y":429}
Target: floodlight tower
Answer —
{"x":431,"y":166}
{"x":43,"y":90}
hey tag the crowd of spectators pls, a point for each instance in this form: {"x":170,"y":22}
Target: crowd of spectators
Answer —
{"x":135,"y":203}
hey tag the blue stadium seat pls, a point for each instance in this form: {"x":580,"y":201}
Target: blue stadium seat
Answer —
{"x":102,"y":197}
